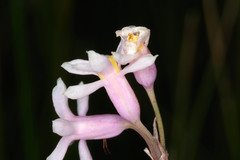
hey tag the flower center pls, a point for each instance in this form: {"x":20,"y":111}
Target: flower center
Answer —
{"x":114,"y":64}
{"x":133,"y":37}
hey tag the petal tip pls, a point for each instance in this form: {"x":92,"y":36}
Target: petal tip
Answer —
{"x":60,"y":82}
{"x":65,"y":65}
{"x":69,"y":93}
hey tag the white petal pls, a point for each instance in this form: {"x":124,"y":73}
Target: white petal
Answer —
{"x":80,"y":91}
{"x":123,"y":59}
{"x":60,"y":101}
{"x":97,"y":61}
{"x":82,"y":105}
{"x":129,"y":48}
{"x":120,"y":48}
{"x":84,"y":152}
{"x":61,"y":149}
{"x":144,"y":33}
{"x":143,"y":62}
{"x":118,"y":33}
{"x":125,"y":31}
{"x":79,"y":66}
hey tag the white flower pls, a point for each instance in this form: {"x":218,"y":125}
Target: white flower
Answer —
{"x":133,"y":39}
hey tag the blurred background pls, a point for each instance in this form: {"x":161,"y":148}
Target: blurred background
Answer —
{"x":197,"y":88}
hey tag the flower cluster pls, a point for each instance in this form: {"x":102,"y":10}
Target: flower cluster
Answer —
{"x":133,"y":51}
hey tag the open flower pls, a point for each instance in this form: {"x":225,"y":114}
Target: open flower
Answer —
{"x":133,"y":45}
{"x":112,"y":78}
{"x":81,"y":127}
{"x":134,"y":40}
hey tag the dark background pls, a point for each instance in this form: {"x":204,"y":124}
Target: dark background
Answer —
{"x":197,"y":88}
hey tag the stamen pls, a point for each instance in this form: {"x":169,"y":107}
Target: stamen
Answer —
{"x":140,"y":47}
{"x":105,"y":147}
{"x":133,"y":37}
{"x":114,"y":63}
{"x":100,"y":76}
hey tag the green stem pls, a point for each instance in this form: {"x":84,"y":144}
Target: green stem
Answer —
{"x":152,"y":97}
{"x":152,"y":143}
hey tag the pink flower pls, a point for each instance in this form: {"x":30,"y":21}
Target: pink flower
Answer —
{"x":112,"y":78}
{"x":81,"y":127}
{"x":133,"y":45}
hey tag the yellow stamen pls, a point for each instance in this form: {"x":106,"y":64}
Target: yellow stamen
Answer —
{"x":100,"y":76}
{"x":133,"y":37}
{"x":114,"y":63}
{"x":140,"y":47}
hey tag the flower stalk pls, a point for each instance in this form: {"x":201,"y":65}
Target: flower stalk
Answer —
{"x":152,"y":97}
{"x":149,"y":139}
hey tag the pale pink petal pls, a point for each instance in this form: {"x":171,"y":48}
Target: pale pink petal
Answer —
{"x":143,"y":62}
{"x":62,"y":127}
{"x":80,"y":91}
{"x":82,"y":105}
{"x":123,"y":97}
{"x":61,"y":149}
{"x":91,"y":127}
{"x":97,"y":61}
{"x":60,"y":101}
{"x":84,"y":152}
{"x":79,"y":66}
{"x":99,"y":126}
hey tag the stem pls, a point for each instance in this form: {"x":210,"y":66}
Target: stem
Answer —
{"x":149,"y":139}
{"x":152,"y":97}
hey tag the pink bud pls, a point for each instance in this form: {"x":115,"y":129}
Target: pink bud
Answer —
{"x":147,"y":76}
